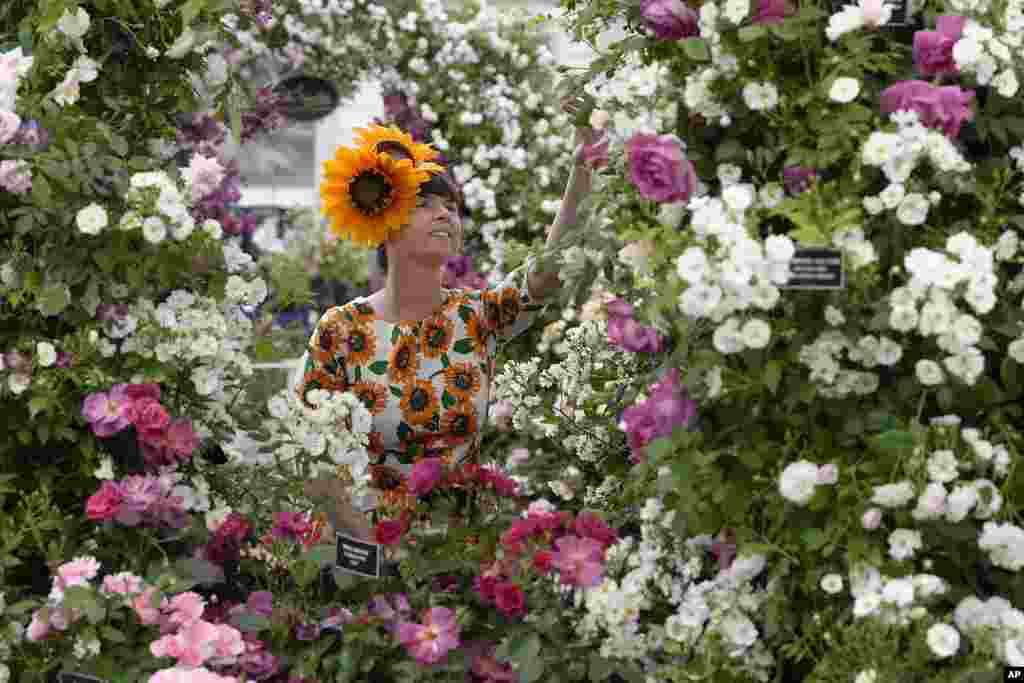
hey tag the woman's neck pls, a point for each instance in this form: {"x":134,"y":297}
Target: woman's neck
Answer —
{"x":411,"y":292}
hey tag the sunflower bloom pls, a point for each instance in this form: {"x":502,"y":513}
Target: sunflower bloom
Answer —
{"x":460,"y":423}
{"x":508,"y":303}
{"x":369,"y":196}
{"x":419,"y":402}
{"x":477,"y":334}
{"x":403,"y":361}
{"x":362,"y":345}
{"x":491,"y":310}
{"x":375,"y":136}
{"x":436,"y":336}
{"x":374,"y":396}
{"x":462,"y":380}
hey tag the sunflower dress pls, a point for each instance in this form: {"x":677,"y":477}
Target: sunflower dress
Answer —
{"x":426,"y":383}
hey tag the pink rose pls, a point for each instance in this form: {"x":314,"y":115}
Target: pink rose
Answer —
{"x":104,"y":504}
{"x":871,"y":519}
{"x":181,"y":439}
{"x":509,"y":598}
{"x":143,"y":606}
{"x":828,"y":474}
{"x":431,"y":641}
{"x":124,"y":583}
{"x":10,"y":123}
{"x":669,"y":19}
{"x":136,"y":392}
{"x":945,"y":108}
{"x":659,"y":169}
{"x":580,"y":561}
{"x":149,"y":417}
{"x":15,"y":176}
{"x":424,"y":476}
{"x":772,"y":11}
{"x":38,"y":629}
{"x":933,"y":50}
{"x":107,"y":415}
{"x":78,"y":572}
{"x":186,"y":608}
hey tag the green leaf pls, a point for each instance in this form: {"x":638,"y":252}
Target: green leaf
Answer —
{"x":447,"y":400}
{"x":396,"y":334}
{"x":1011,"y":376}
{"x":112,"y":634}
{"x":772,"y":375}
{"x":37,"y":405}
{"x":894,"y":441}
{"x":531,"y":670}
{"x":463,"y":346}
{"x":466,"y":313}
{"x":379,"y":367}
{"x":199,"y":570}
{"x":696,"y":49}
{"x":53,"y":299}
{"x":396,"y":391}
{"x":251,"y":623}
{"x":358,"y":374}
{"x":659,"y":449}
{"x":263,"y":351}
{"x":813,"y":538}
{"x":190,"y":10}
{"x":751,"y":33}
{"x":445,"y":362}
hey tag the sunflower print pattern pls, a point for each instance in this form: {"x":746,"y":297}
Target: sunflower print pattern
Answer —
{"x":427,"y":382}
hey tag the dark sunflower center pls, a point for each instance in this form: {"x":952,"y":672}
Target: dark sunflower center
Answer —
{"x":371,"y":192}
{"x":419,"y":399}
{"x":402,"y":359}
{"x":462,"y":381}
{"x":326,"y":337}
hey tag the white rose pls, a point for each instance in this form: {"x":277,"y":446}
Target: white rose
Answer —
{"x":832,"y":583}
{"x":943,"y":640}
{"x":756,"y":333}
{"x":154,"y":230}
{"x":867,"y":676}
{"x":46,"y":354}
{"x":692,"y":264}
{"x":904,"y":543}
{"x":942,"y":466}
{"x":929,"y":373}
{"x":913,"y":210}
{"x":779,"y":248}
{"x":74,"y":26}
{"x":798,"y":482}
{"x":92,"y":219}
{"x":1016,"y":350}
{"x":212,"y":228}
{"x":844,"y":90}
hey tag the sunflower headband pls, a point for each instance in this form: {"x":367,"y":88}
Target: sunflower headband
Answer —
{"x":370,"y":191}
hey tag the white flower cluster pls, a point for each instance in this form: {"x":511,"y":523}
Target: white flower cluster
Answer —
{"x":664,"y":572}
{"x":332,"y":431}
{"x":993,"y":58}
{"x":730,"y":272}
{"x":896,"y":601}
{"x":632,"y":94}
{"x":823,"y":358}
{"x":16,"y":66}
{"x":899,"y":153}
{"x":799,"y":481}
{"x":927,"y":304}
{"x":159,"y":207}
{"x":994,"y":620}
{"x":74,"y":26}
{"x":864,"y":14}
{"x":698,"y":95}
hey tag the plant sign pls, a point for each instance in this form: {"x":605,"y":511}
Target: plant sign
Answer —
{"x":358,"y":557}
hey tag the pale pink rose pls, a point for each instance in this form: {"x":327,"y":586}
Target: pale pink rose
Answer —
{"x":10,"y":123}
{"x":875,"y":12}
{"x":15,"y":176}
{"x":143,"y":606}
{"x":204,"y":176}
{"x":191,"y":646}
{"x":78,"y":572}
{"x":580,"y":561}
{"x":38,"y":629}
{"x":124,"y":583}
{"x":871,"y":519}
{"x":828,"y":474}
{"x":179,"y":675}
{"x":229,"y":643}
{"x":186,"y":608}
{"x":518,"y":456}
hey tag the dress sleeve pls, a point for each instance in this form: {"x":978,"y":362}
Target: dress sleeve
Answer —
{"x":508,"y":307}
{"x":324,"y":360}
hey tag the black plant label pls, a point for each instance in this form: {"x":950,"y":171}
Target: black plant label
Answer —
{"x":816,"y":268}
{"x":358,"y":557}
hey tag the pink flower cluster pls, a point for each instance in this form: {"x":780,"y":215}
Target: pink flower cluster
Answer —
{"x":429,"y":641}
{"x":163,"y":441}
{"x":574,"y":547}
{"x":15,"y":176}
{"x":944,"y":107}
{"x":430,"y":473}
{"x":626,"y":332}
{"x":659,"y":168}
{"x":667,"y":408}
{"x":55,"y":616}
{"x":291,"y":526}
{"x":933,"y":50}
{"x":138,"y":500}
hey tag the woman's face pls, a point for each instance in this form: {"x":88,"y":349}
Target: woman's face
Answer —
{"x":434,"y":232}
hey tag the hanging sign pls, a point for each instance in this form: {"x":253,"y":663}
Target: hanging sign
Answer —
{"x":307,"y":98}
{"x":816,"y":268}
{"x":359,"y":557}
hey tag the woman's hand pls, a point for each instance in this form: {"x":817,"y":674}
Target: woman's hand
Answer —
{"x":590,"y":145}
{"x":335,"y":492}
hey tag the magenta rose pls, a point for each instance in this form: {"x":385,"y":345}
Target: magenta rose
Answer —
{"x":104,"y":504}
{"x":509,"y":598}
{"x":669,"y":19}
{"x":106,"y":413}
{"x":659,"y":169}
{"x":181,"y":439}
{"x":667,"y":407}
{"x":388,"y":531}
{"x":149,"y":417}
{"x":945,"y":108}
{"x":933,"y":50}
{"x":136,"y":392}
{"x":424,"y":476}
{"x":772,"y":11}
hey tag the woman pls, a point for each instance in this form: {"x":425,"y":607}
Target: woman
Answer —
{"x":420,"y":356}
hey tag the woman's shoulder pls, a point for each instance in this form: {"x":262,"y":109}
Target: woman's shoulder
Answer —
{"x":356,"y":310}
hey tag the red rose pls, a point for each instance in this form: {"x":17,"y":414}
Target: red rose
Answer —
{"x":137,"y":392}
{"x":389,"y":531}
{"x":149,"y":417}
{"x":103,"y":504}
{"x":509,"y":599}
{"x":589,"y":525}
{"x":487,"y":586}
{"x":542,"y":561}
